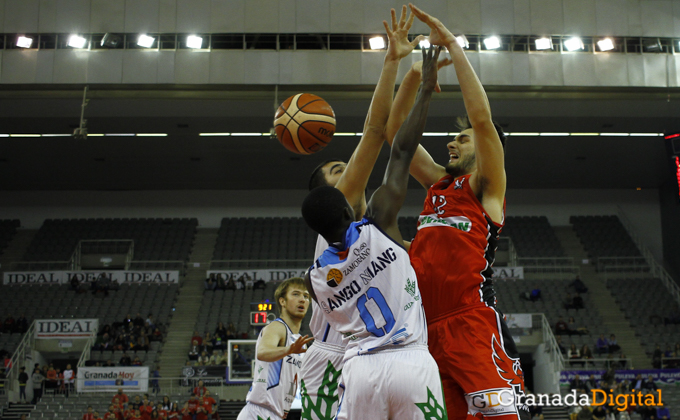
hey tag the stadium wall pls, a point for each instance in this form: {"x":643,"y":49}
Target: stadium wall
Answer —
{"x":642,"y":208}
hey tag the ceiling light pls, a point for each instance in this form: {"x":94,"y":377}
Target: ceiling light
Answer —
{"x":424,"y":44}
{"x":492,"y":43}
{"x":377,"y":43}
{"x":56,"y":135}
{"x":614,"y":134}
{"x":645,"y":134}
{"x":605,"y":44}
{"x":76,"y":41}
{"x":95,"y":134}
{"x":462,"y":41}
{"x":343,"y":134}
{"x":544,"y":43}
{"x":247,"y":134}
{"x":24,"y":41}
{"x":554,"y":134}
{"x":119,"y":134}
{"x":573,"y":44}
{"x":523,"y":134}
{"x":652,"y":44}
{"x":435,"y":134}
{"x":584,"y":134}
{"x":145,"y":41}
{"x":214,"y":134}
{"x":453,"y":134}
{"x":152,"y":134}
{"x":24,"y":135}
{"x":111,"y":40}
{"x":195,"y":42}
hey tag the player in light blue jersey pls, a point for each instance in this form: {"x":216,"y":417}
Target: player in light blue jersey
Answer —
{"x":368,"y":291}
{"x":278,"y":355}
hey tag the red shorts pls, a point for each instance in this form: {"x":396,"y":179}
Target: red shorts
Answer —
{"x":479,"y":378}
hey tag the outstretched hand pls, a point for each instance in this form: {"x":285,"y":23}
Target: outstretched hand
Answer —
{"x":417,"y":67}
{"x":430,"y":67}
{"x":399,"y":45}
{"x":299,"y":345}
{"x":439,"y":34}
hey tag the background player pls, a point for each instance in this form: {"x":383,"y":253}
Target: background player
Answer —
{"x":368,"y":290}
{"x":277,"y":352}
{"x":454,"y":249}
{"x":322,"y":365}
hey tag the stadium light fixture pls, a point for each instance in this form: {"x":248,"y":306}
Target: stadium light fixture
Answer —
{"x":462,"y":41}
{"x":24,"y":41}
{"x":377,"y":43}
{"x":145,"y":41}
{"x":492,"y":43}
{"x":544,"y":43}
{"x":194,"y":41}
{"x":606,"y":44}
{"x":573,"y":44}
{"x":111,"y":40}
{"x":424,"y":44}
{"x":77,"y":41}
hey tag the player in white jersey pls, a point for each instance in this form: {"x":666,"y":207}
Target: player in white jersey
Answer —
{"x":278,"y":356}
{"x":322,"y":365}
{"x":368,"y":291}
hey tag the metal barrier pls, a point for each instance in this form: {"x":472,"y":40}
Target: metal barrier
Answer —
{"x":623,"y":264}
{"x":551,"y":345}
{"x":85,"y":355}
{"x":599,"y":363}
{"x":19,"y":359}
{"x":175,"y":387}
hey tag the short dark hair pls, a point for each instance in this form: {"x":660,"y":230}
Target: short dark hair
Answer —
{"x":317,"y":179}
{"x":463,"y":123}
{"x":323,"y":209}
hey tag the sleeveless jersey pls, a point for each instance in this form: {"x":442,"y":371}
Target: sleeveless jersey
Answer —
{"x":321,"y":329}
{"x":275,"y":383}
{"x":454,"y":249}
{"x":368,"y":291}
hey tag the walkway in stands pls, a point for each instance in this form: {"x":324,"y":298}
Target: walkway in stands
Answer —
{"x":17,"y":247}
{"x":188,"y":304}
{"x":614,"y":319}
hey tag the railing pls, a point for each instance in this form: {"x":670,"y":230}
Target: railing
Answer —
{"x":18,"y":359}
{"x":623,"y":264}
{"x":655,"y":268}
{"x":159,"y":265}
{"x":599,"y":363}
{"x":173,"y":387}
{"x":549,"y":265}
{"x":264,"y":263}
{"x":85,"y":355}
{"x":551,"y":345}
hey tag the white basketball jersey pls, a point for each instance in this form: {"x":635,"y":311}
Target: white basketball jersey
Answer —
{"x":368,"y":291}
{"x":275,"y":383}
{"x":321,"y":329}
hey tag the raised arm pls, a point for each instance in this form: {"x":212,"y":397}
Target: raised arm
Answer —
{"x":354,"y":179}
{"x":389,"y":197}
{"x":423,"y":168}
{"x":489,"y":179}
{"x":271,"y":347}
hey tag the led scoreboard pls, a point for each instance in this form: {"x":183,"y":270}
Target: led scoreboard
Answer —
{"x":261,"y":313}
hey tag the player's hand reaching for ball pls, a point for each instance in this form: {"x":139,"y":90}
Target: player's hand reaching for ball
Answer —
{"x":398,"y":44}
{"x":439,"y":34}
{"x":430,"y":67}
{"x":299,"y":345}
{"x":417,"y":67}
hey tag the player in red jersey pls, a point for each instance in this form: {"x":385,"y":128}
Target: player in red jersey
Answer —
{"x":454,"y":249}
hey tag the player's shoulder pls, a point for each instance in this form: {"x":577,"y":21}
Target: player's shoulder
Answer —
{"x":277,"y":327}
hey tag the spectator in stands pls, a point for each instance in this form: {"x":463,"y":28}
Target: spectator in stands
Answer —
{"x":137,"y":361}
{"x":142,"y":343}
{"x":202,"y":412}
{"x":578,"y":302}
{"x":208,"y":343}
{"x":591,"y":384}
{"x":260,"y":284}
{"x":174,"y":412}
{"x":209,"y":401}
{"x":560,"y":345}
{"x":8,"y":326}
{"x":23,"y":380}
{"x":210,"y":282}
{"x":136,"y":416}
{"x":217,"y":343}
{"x":240,"y":283}
{"x":37,"y":378}
{"x":200,"y":389}
{"x":166,"y":404}
{"x":599,"y":413}
{"x":111,"y":413}
{"x":155,"y":383}
{"x":21,"y":325}
{"x":147,"y":407}
{"x":622,"y":362}
{"x":103,"y":342}
{"x":194,"y":351}
{"x":578,"y":385}
{"x":69,"y":379}
{"x":669,"y":361}
{"x":601,"y":346}
{"x":637,"y":384}
{"x":221,"y":331}
{"x":586,"y":413}
{"x":90,"y":413}
{"x":115,"y":286}
{"x":230,"y":284}
{"x":122,"y":397}
{"x":109,"y":363}
{"x":136,"y":403}
{"x":586,"y":353}
{"x":193,"y":404}
{"x":154,"y":415}
{"x":249,"y":282}
{"x":578,"y":285}
{"x":649,"y":384}
{"x":663,"y":413}
{"x":574,"y":355}
{"x":231,"y":331}
{"x":127,"y":320}
{"x":125,"y":360}
{"x":138,"y":321}
{"x":203,"y":359}
{"x":150,"y":321}
{"x":186,"y":412}
{"x":157,"y":335}
{"x":612,"y":344}
{"x":197,"y":337}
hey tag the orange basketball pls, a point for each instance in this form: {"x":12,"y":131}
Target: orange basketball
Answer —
{"x":304,"y":123}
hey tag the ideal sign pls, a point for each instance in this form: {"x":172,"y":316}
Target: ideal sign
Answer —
{"x":274,"y":274}
{"x":65,"y":328}
{"x":62,"y":277}
{"x":508,"y":272}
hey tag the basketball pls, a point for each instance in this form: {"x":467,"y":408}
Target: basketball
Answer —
{"x":304,"y":123}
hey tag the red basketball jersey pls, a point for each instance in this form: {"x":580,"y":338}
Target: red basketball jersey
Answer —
{"x":454,"y":249}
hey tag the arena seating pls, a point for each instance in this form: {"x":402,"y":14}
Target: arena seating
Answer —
{"x":553,"y":295}
{"x":44,"y":302}
{"x":7,"y":230}
{"x":533,"y":236}
{"x":604,"y":236}
{"x":647,"y":303}
{"x":154,"y":239}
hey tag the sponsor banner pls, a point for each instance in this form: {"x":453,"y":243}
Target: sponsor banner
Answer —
{"x":61,"y":277}
{"x":268,"y":274}
{"x":518,"y":320}
{"x":65,"y":328}
{"x":210,"y":375}
{"x":508,"y":272}
{"x":101,"y":379}
{"x":664,"y":376}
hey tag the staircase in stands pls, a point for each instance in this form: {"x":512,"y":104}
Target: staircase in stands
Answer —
{"x":14,"y":410}
{"x":181,"y":327}
{"x":613,"y":317}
